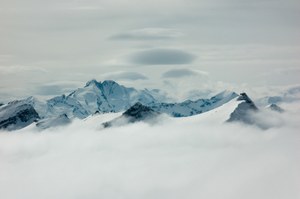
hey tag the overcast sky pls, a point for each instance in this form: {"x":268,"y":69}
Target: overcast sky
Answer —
{"x":51,"y":47}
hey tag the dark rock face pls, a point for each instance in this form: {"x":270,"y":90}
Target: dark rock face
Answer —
{"x":276,"y":108}
{"x":18,"y":116}
{"x":243,"y":112}
{"x":244,"y":97}
{"x":138,"y":112}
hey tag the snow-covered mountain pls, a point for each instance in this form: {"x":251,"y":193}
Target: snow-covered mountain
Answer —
{"x":97,"y":97}
{"x":189,"y":108}
{"x":244,"y":110}
{"x":287,"y":96}
{"x":16,"y":115}
{"x":240,"y":109}
{"x":109,"y":96}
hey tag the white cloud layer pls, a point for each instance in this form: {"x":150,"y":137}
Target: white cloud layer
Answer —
{"x":177,"y":158}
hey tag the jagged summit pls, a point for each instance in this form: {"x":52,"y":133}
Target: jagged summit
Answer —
{"x":92,"y":82}
{"x":99,"y":83}
{"x":248,"y":113}
{"x":137,"y":112}
{"x":244,"y":97}
{"x":103,"y":97}
{"x":109,"y":83}
{"x":243,"y":111}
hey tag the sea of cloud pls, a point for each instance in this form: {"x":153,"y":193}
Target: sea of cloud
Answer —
{"x":176,"y":158}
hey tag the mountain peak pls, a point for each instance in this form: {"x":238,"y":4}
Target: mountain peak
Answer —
{"x":92,"y":82}
{"x":242,"y":113}
{"x":137,"y":112}
{"x":109,"y":83}
{"x":275,"y":107}
{"x":244,"y":97}
{"x":105,"y":83}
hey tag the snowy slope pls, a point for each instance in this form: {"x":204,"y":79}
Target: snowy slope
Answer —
{"x":50,"y":122}
{"x":189,"y":108}
{"x":224,"y":113}
{"x":216,"y":116}
{"x":66,"y":105}
{"x":241,"y":110}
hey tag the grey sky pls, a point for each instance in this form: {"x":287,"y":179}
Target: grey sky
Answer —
{"x":240,"y":42}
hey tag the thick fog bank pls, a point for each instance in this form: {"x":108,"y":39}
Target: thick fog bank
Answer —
{"x":177,"y":158}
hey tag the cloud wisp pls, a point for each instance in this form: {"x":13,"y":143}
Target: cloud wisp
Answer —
{"x":123,"y":75}
{"x":162,"y":56}
{"x":148,"y":34}
{"x":178,"y":73}
{"x":56,"y":88}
